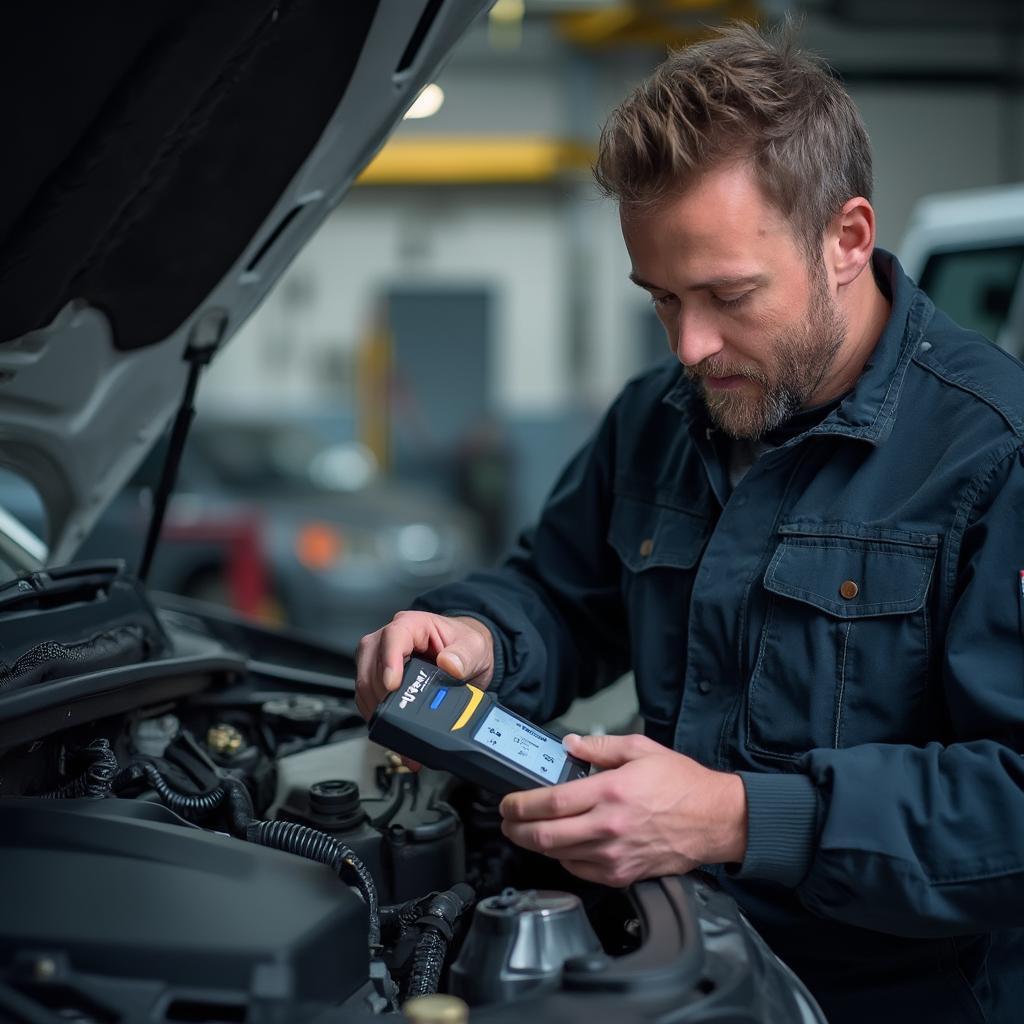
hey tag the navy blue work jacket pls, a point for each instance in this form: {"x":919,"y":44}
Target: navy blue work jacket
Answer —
{"x":845,"y":628}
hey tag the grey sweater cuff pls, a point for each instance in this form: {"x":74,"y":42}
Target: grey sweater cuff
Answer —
{"x":782,"y":827}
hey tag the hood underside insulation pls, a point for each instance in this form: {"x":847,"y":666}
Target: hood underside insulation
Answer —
{"x":147,"y":144}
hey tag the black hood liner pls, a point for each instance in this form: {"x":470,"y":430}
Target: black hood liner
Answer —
{"x":146,"y":143}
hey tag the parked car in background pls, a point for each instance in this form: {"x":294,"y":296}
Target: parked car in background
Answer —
{"x":966,"y":250}
{"x":274,"y":518}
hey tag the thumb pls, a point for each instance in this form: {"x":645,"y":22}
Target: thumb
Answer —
{"x":455,"y":661}
{"x":608,"y":751}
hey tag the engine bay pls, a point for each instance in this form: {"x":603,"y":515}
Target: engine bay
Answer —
{"x":209,"y":835}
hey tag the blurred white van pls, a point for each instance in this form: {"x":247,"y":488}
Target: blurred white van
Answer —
{"x":966,"y":250}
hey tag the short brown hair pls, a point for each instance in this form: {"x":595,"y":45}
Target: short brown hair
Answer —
{"x":741,"y":95}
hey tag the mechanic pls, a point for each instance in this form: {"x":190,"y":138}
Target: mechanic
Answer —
{"x":806,"y":542}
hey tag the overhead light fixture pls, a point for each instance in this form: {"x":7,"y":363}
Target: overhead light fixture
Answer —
{"x":427,"y":103}
{"x":508,"y":10}
{"x":505,"y":24}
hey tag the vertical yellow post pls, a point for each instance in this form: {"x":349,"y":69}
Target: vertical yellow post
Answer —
{"x":373,"y":386}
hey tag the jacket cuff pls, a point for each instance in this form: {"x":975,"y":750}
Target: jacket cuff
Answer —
{"x":782,"y":827}
{"x":497,"y":645}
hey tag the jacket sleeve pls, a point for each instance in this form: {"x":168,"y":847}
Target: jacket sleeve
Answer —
{"x":924,"y":841}
{"x":554,"y":607}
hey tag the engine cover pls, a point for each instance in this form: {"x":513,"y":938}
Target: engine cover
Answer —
{"x":126,"y":892}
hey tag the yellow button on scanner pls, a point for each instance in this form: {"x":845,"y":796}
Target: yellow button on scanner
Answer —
{"x":475,"y":696}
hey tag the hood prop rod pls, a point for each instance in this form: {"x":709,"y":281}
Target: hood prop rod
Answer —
{"x":205,"y":338}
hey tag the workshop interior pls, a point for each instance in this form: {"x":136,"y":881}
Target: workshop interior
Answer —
{"x":303,"y":306}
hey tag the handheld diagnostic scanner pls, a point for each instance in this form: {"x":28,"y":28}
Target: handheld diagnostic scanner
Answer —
{"x":459,"y":728}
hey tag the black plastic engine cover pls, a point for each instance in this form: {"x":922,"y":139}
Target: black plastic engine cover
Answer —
{"x":123,"y":889}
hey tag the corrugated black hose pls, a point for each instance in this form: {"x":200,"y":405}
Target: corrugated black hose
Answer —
{"x":183,"y":803}
{"x":96,"y":780}
{"x":427,"y":964}
{"x":229,"y":789}
{"x":437,"y":919}
{"x":307,"y":842}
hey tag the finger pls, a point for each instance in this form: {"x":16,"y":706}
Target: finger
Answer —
{"x":406,"y":633}
{"x":366,"y":662}
{"x":362,"y":706}
{"x":562,"y":801}
{"x":610,"y":751}
{"x":366,"y":704}
{"x":387,"y":682}
{"x":562,"y":837}
{"x":413,"y":766}
{"x":591,"y":872}
{"x":395,"y":646}
{"x":364,"y":697}
{"x":597,"y":852}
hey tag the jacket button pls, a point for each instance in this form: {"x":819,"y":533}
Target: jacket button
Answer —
{"x":849,"y":590}
{"x":704,"y":686}
{"x":646,"y":547}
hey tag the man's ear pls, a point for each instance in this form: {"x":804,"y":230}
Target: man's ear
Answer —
{"x":849,"y":240}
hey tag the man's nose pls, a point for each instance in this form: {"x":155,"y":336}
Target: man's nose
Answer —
{"x":697,"y":338}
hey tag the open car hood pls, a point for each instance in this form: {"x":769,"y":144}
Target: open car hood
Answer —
{"x":165,"y":161}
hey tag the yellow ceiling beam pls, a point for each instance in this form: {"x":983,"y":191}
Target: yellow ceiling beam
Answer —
{"x":639,"y":32}
{"x":672,"y":23}
{"x":593,"y":28}
{"x":476,"y":160}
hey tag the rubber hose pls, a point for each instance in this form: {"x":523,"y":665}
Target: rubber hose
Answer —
{"x":312,"y":844}
{"x":185,"y":803}
{"x":440,"y":911}
{"x":427,"y":964}
{"x":127,"y":776}
{"x":234,"y":791}
{"x":401,"y":917}
{"x":96,"y":781}
{"x":240,"y":809}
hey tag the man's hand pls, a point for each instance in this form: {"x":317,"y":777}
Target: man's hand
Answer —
{"x":462,"y":647}
{"x":654,"y":813}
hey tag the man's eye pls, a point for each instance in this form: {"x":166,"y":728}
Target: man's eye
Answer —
{"x":663,"y":300}
{"x":730,"y":303}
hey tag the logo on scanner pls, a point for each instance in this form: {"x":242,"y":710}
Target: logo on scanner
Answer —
{"x":413,"y":688}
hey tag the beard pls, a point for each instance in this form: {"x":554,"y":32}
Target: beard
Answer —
{"x":801,"y":356}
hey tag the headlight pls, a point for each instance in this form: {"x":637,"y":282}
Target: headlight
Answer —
{"x":417,"y":543}
{"x":419,"y":549}
{"x":318,"y":546}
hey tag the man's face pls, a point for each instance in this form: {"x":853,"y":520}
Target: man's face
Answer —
{"x":744,"y":313}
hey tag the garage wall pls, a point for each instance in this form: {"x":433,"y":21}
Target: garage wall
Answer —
{"x":565,"y":323}
{"x":928,"y":140}
{"x":508,"y":241}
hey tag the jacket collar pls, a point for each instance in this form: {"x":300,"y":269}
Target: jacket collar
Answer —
{"x":869,"y":410}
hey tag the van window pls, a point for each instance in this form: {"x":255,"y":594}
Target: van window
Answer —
{"x":975,"y":286}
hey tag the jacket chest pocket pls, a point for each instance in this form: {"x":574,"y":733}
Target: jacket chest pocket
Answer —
{"x":659,"y":547}
{"x":844,"y":652}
